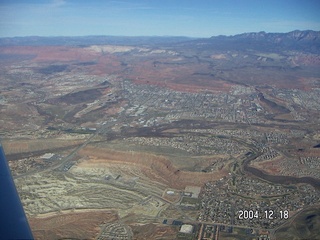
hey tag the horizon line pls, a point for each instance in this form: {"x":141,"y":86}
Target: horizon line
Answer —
{"x":152,"y":36}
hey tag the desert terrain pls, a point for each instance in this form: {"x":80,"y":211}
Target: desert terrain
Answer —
{"x":133,"y":138}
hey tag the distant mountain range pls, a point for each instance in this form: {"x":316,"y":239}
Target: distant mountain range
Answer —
{"x":307,"y":35}
{"x":307,"y":41}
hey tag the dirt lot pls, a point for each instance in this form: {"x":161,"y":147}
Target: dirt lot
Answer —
{"x":152,"y":231}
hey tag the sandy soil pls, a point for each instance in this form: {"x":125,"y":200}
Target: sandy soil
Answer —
{"x":156,"y":168}
{"x":152,"y":231}
{"x":68,"y":224}
{"x":32,"y":145}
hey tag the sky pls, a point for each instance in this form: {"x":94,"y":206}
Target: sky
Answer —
{"x":192,"y":18}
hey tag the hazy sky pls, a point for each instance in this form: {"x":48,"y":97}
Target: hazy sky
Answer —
{"x":195,"y":18}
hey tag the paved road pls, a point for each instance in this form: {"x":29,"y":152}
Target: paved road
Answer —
{"x":102,"y":130}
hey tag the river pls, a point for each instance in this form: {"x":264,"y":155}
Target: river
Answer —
{"x":280,"y":179}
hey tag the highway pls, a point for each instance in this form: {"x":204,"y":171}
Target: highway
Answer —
{"x":102,"y":130}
